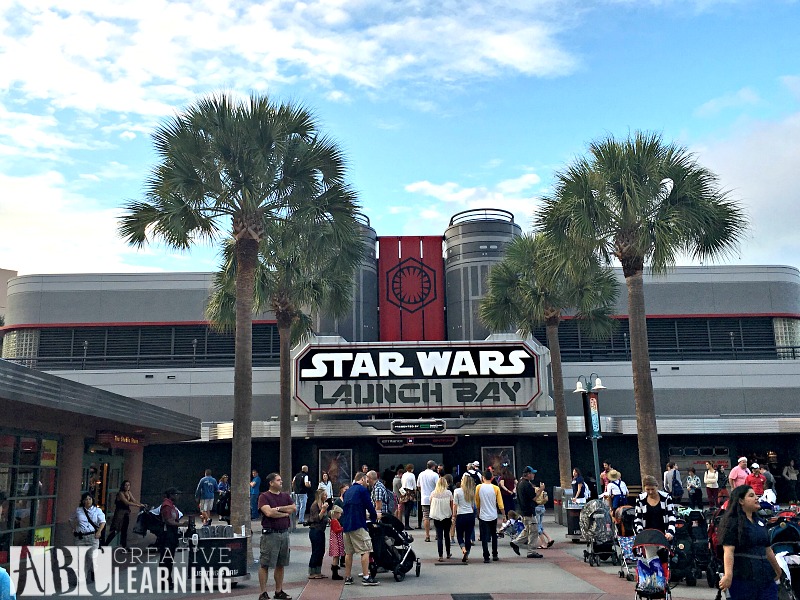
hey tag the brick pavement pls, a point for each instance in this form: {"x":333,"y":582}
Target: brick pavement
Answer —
{"x":560,"y":574}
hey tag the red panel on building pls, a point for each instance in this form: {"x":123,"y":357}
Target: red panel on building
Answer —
{"x":411,"y":288}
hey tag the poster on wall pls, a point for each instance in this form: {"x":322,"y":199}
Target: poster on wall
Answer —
{"x":500,"y":458}
{"x":49,"y":453}
{"x":339,"y":466}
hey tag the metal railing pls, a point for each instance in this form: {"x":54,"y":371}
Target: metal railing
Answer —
{"x":482,"y":214}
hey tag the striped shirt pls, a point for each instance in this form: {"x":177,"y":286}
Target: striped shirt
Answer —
{"x":667,"y":509}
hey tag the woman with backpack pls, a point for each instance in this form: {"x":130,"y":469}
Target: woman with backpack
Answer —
{"x":616,"y":490}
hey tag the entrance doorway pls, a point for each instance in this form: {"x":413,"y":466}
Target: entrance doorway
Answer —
{"x":418,"y":460}
{"x":102,"y":477}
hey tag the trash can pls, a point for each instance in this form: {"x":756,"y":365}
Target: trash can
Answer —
{"x":224,"y":549}
{"x":558,"y":504}
{"x":572,"y":518}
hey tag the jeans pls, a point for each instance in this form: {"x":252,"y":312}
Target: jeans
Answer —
{"x":407,"y":508}
{"x":317,"y":537}
{"x":540,"y":510}
{"x":253,"y":506}
{"x":465,"y":530}
{"x":488,"y":531}
{"x":743,"y":589}
{"x":443,"y":533}
{"x":301,"y":507}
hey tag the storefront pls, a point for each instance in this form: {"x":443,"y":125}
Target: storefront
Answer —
{"x":59,"y":438}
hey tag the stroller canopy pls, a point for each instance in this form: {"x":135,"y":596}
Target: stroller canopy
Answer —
{"x":595,"y":521}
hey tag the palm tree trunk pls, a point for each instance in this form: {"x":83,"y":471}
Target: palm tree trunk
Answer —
{"x":285,"y":458}
{"x":649,"y":455}
{"x":562,"y":429}
{"x":241,"y":450}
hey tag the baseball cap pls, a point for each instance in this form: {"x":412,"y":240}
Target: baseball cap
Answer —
{"x":755,"y":466}
{"x":475,"y":463}
{"x":529,"y":469}
{"x":742,"y":459}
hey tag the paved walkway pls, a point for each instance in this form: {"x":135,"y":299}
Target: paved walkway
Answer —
{"x":562,"y":573}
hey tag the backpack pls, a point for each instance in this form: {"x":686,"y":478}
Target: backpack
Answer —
{"x":620,"y":499}
{"x":677,"y":486}
{"x":391,"y":503}
{"x":299,"y":483}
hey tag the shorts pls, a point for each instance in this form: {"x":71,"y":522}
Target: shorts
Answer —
{"x":206,"y":504}
{"x":274,"y":549}
{"x":357,"y":542}
{"x":426,"y":511}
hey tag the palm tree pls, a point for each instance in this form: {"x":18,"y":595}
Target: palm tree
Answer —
{"x":534,"y":285}
{"x":642,"y":202}
{"x":304,"y":265}
{"x":229,"y":168}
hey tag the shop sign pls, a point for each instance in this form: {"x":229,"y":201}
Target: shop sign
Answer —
{"x":49,"y":453}
{"x":421,"y":425}
{"x":437,"y":441}
{"x":391,"y":377}
{"x":118,"y":440}
{"x":41,"y":536}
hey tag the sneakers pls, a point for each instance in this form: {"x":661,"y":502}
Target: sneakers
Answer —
{"x":534,"y":555}
{"x":263,"y":596}
{"x":282,"y":595}
{"x":369,"y":581}
{"x":515,"y":548}
{"x":348,"y":581}
{"x":495,"y":558}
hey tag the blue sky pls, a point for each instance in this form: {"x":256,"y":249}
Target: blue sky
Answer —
{"x":440,"y":106}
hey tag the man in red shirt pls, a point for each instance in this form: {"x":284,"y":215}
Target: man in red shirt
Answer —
{"x":756,"y":480}
{"x":275,"y":507}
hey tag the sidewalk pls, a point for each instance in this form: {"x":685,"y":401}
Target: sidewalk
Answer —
{"x":562,"y":573}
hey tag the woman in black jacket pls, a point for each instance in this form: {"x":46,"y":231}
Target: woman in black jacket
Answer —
{"x":317,"y":523}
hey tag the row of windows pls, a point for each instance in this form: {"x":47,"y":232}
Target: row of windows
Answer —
{"x":144,"y":347}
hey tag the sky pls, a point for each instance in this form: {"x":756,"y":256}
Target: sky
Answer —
{"x":439,"y":106}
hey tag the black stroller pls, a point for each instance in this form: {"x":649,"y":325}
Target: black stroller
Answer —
{"x":146,"y":522}
{"x":597,"y":529}
{"x":682,"y":565}
{"x":698,"y":528}
{"x":224,"y":506}
{"x":391,"y":548}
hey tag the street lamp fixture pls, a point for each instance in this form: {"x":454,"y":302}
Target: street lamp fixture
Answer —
{"x":589,"y":388}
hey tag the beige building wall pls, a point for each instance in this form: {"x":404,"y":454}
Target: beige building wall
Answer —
{"x":5,"y":275}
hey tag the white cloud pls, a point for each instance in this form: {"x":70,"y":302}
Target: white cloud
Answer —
{"x":743,"y":97}
{"x":792,"y":83}
{"x":514,"y":195}
{"x":69,"y":232}
{"x":127,"y":135}
{"x":759,"y":164}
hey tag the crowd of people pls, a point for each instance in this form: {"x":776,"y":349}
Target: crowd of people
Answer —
{"x":751,"y":570}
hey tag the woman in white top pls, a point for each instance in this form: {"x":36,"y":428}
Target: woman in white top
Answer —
{"x":464,"y":498}
{"x":441,"y":512}
{"x":711,"y":479}
{"x":326,"y":484}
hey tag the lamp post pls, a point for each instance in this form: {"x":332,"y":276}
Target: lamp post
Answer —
{"x":588,"y":388}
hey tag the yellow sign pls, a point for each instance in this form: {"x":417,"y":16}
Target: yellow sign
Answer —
{"x":49,"y":453}
{"x":41,"y":537}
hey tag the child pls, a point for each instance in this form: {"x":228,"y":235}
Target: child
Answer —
{"x":336,"y":542}
{"x":513,"y":525}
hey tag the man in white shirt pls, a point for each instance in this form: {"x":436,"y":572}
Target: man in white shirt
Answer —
{"x":408,"y":483}
{"x":88,"y":524}
{"x":489,"y":502}
{"x":426,"y":482}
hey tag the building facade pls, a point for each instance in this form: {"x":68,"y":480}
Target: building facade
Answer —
{"x":724,"y":343}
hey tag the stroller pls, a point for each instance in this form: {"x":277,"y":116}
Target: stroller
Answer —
{"x":698,"y":528}
{"x":148,"y":521}
{"x":598,"y":530}
{"x":715,"y":564}
{"x":682,"y":563}
{"x":652,"y":566}
{"x":624,"y":517}
{"x":784,"y":538}
{"x":391,"y":548}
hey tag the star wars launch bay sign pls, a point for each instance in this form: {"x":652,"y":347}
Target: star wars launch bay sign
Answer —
{"x":333,"y":375}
